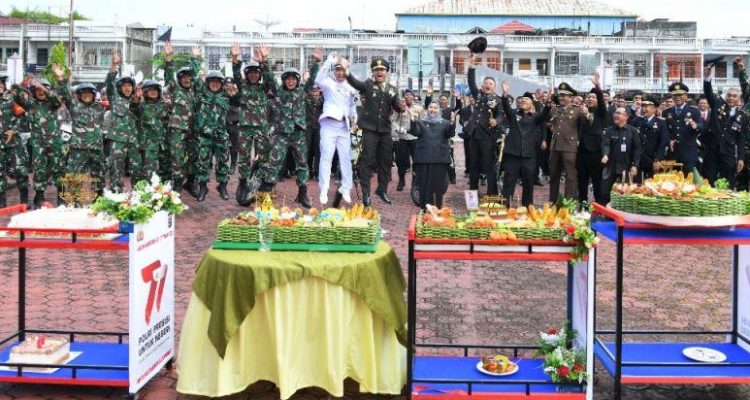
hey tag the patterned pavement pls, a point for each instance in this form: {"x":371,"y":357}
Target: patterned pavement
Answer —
{"x":459,"y":302}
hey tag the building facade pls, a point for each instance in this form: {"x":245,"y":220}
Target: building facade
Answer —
{"x":94,"y":46}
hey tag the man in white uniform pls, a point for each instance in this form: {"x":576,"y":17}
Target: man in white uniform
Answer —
{"x":335,"y":124}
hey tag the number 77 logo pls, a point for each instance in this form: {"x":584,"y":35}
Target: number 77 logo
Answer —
{"x":157,"y":276}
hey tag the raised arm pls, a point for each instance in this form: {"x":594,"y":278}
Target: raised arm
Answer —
{"x":472,"y":78}
{"x":62,"y":87}
{"x":111,"y":75}
{"x":713,"y":101}
{"x":744,"y":84}
{"x":354,"y":82}
{"x":321,"y":79}
{"x":314,"y":69}
{"x":601,"y":109}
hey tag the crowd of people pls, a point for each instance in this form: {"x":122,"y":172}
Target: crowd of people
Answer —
{"x":327,"y":122}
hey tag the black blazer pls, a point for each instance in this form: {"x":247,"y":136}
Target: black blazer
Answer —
{"x":433,"y":145}
{"x":654,"y":138}
{"x":729,"y":131}
{"x":525,"y":131}
{"x":612,"y":142}
{"x":592,"y":128}
{"x":484,"y":106}
{"x":683,"y":133}
{"x":377,"y":104}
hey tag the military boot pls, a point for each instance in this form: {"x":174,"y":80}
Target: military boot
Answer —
{"x":189,"y":185}
{"x":24,"y":195}
{"x":222,"y":189}
{"x":233,"y":164}
{"x":242,"y":189}
{"x":202,"y":191}
{"x":302,"y":198}
{"x":38,"y":199}
{"x":401,"y":181}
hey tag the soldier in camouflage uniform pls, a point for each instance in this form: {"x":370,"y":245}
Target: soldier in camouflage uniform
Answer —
{"x":288,"y":112}
{"x":211,"y":130}
{"x":7,"y":136}
{"x":46,"y":140}
{"x":122,"y":129}
{"x":153,"y":117}
{"x":253,"y":88}
{"x":182,"y":142}
{"x":86,"y":142}
{"x":17,"y":156}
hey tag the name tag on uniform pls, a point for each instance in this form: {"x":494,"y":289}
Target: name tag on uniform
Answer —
{"x":623,"y":147}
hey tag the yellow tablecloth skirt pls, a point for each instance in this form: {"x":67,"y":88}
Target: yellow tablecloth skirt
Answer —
{"x":303,"y":334}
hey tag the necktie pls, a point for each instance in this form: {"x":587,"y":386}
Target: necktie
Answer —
{"x":679,"y":110}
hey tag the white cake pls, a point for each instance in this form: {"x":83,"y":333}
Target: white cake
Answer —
{"x":41,"y":350}
{"x":62,"y":218}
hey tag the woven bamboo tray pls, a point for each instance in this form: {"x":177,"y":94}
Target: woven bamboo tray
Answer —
{"x":669,"y":207}
{"x":484,"y":233}
{"x":228,"y":232}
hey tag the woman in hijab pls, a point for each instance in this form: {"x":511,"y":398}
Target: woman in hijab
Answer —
{"x":432,"y":155}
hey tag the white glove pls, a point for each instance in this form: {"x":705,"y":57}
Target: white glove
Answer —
{"x":25,"y":136}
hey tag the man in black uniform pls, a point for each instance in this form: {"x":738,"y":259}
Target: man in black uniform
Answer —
{"x":621,"y":150}
{"x":464,"y":117}
{"x":314,"y":107}
{"x":654,"y":137}
{"x":588,"y":160}
{"x":684,"y":125}
{"x":730,"y":125}
{"x":378,"y":100}
{"x":484,"y":127}
{"x":524,"y":137}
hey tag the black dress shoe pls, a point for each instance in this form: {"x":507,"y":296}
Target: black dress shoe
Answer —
{"x":384,"y":196}
{"x":337,"y":199}
{"x":366,"y":199}
{"x":400,"y":185}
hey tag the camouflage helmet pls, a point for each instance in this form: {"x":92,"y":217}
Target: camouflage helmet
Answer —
{"x":125,"y":79}
{"x":45,"y":82}
{"x":291,"y":72}
{"x":86,"y":86}
{"x":184,"y":70}
{"x":252,"y":65}
{"x":215,"y":75}
{"x":151,"y":84}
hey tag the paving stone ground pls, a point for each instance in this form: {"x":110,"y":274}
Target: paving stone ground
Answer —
{"x":674,"y":287}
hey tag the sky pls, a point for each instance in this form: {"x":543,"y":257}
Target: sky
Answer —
{"x":378,"y":14}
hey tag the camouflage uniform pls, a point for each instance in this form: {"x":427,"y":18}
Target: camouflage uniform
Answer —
{"x":181,"y":139}
{"x":46,"y":141}
{"x":153,"y":117}
{"x":253,"y":118}
{"x":289,"y":112}
{"x":7,"y":150}
{"x":120,"y":128}
{"x":18,"y":155}
{"x":211,"y":130}
{"x":86,"y":142}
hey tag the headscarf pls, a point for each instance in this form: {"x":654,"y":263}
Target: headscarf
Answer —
{"x":430,"y":118}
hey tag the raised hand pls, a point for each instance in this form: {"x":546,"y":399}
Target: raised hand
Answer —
{"x":231,"y":89}
{"x":196,"y":51}
{"x":138,"y":94}
{"x":318,"y":53}
{"x":344,"y":62}
{"x":740,"y":62}
{"x":235,"y":51}
{"x":261,"y":52}
{"x":506,"y":87}
{"x":116,"y":58}
{"x":707,"y":71}
{"x":429,"y":89}
{"x":58,"y":71}
{"x":456,"y":94}
{"x":305,"y":76}
{"x":168,"y":51}
{"x":596,"y":80}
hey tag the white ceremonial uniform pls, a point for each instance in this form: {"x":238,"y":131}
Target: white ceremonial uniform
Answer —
{"x":338,"y":108}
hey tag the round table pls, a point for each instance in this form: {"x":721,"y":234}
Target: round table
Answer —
{"x":297,"y":319}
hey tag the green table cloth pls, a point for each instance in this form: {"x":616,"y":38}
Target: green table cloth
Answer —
{"x":228,"y":281}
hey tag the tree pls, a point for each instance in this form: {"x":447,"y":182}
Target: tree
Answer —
{"x":43,"y":17}
{"x":57,"y":56}
{"x":179,"y":60}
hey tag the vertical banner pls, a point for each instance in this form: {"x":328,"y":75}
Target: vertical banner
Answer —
{"x":151,"y":294}
{"x":743,"y":296}
{"x":582,"y":313}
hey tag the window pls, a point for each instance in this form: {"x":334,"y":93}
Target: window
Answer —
{"x":508,"y":66}
{"x":720,"y":69}
{"x":541,"y":66}
{"x":524,"y":64}
{"x":9,"y":52}
{"x":566,"y":64}
{"x":42,"y":56}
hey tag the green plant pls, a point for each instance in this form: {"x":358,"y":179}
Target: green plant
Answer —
{"x":58,"y":56}
{"x":722,"y":184}
{"x":566,"y":365}
{"x":43,"y":17}
{"x":179,"y":60}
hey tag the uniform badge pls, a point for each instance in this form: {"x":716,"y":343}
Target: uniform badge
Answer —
{"x":656,"y":126}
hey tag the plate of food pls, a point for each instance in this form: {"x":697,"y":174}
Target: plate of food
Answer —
{"x":497,"y":366}
{"x":704,"y":354}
